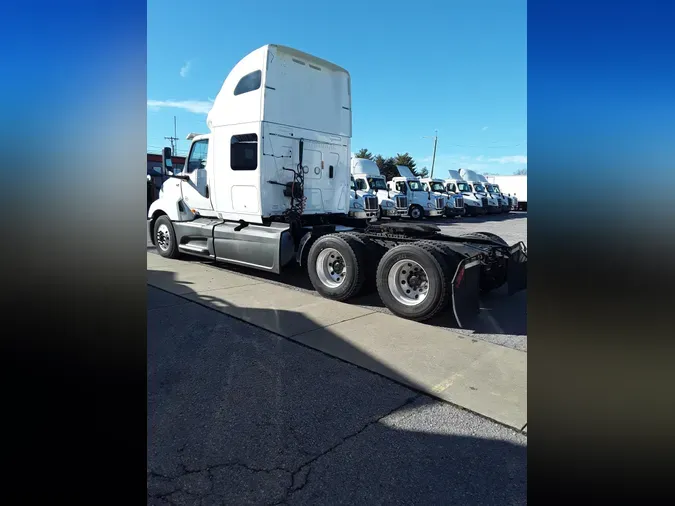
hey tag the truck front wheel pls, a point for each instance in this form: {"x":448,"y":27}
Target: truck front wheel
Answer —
{"x":416,"y":212}
{"x":413,"y":281}
{"x":336,"y":266}
{"x":165,"y":238}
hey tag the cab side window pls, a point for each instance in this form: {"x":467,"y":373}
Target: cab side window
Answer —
{"x":401,"y":186}
{"x":198,"y":154}
{"x":361,"y":184}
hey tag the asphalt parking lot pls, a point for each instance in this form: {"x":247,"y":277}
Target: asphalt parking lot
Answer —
{"x":502,"y":319}
{"x":238,"y":415}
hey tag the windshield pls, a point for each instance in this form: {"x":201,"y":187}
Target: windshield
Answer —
{"x":496,"y":187}
{"x":463,"y":187}
{"x":437,"y":187}
{"x":415,"y":186}
{"x":490,"y":188}
{"x":377,"y":183}
{"x":479,"y":188}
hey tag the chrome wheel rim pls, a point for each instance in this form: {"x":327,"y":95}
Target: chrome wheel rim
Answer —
{"x":331,"y":267}
{"x":408,"y":282}
{"x":163,"y":237}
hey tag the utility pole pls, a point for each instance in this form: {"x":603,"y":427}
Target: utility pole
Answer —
{"x":433,"y":158}
{"x":174,"y":138}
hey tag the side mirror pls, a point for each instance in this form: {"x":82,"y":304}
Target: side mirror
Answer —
{"x":166,"y":160}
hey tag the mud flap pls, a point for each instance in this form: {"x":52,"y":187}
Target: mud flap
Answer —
{"x":516,"y":270}
{"x":466,"y":290}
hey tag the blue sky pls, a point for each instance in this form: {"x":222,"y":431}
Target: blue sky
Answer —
{"x":458,"y":66}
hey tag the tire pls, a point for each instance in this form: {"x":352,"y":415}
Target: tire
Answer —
{"x":165,"y":238}
{"x":373,"y":254}
{"x":487,"y":235}
{"x":416,"y":212}
{"x":495,"y":277}
{"x":352,"y":257}
{"x":394,"y":264}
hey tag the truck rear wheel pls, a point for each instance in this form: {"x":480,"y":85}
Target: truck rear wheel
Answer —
{"x":165,"y":238}
{"x":336,"y":266}
{"x":494,"y":276}
{"x":412,"y":281}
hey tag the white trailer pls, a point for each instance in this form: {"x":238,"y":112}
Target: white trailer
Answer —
{"x":269,"y":185}
{"x":514,"y":186}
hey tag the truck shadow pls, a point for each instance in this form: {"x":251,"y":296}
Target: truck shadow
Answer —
{"x":237,"y":415}
{"x":500,"y":314}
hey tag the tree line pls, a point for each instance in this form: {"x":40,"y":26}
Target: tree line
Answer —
{"x":388,"y":165}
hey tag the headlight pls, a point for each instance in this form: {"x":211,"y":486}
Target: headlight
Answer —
{"x":387,"y":203}
{"x":358,"y":205}
{"x":430,"y":205}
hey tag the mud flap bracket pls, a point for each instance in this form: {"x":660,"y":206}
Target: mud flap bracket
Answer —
{"x":516,"y":270}
{"x":466,"y":290}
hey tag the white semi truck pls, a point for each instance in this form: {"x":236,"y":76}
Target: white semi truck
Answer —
{"x":494,"y":205}
{"x":493,"y":190}
{"x":367,"y":178}
{"x":514,"y":186}
{"x":454,"y":202}
{"x":474,"y":205}
{"x":361,"y":205}
{"x":421,"y":202}
{"x":269,"y":185}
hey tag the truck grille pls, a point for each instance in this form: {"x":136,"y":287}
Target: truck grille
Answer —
{"x":484,"y":200}
{"x":510,"y":201}
{"x":401,"y":202}
{"x":499,"y":202}
{"x":371,"y":203}
{"x":459,"y":202}
{"x":440,"y":203}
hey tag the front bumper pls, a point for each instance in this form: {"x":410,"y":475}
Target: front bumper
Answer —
{"x":362,"y":215}
{"x":433,"y":213}
{"x":392,"y":211}
{"x":475,"y":210}
{"x":454,"y":211}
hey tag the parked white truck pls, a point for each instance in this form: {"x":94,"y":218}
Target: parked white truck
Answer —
{"x":367,"y":178}
{"x":421,"y":202}
{"x":454,"y":202}
{"x":474,"y":205}
{"x":514,"y":186}
{"x":269,"y":185}
{"x":361,"y":206}
{"x":494,"y":192}
{"x":494,"y":205}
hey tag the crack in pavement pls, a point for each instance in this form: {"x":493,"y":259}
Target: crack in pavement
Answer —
{"x":308,"y":465}
{"x":298,"y":478}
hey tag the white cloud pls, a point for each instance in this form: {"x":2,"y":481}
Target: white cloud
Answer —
{"x":509,"y":159}
{"x":185,"y":69}
{"x":195,"y":106}
{"x":484,"y":128}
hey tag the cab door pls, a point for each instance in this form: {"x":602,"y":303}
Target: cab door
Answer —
{"x":196,"y":191}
